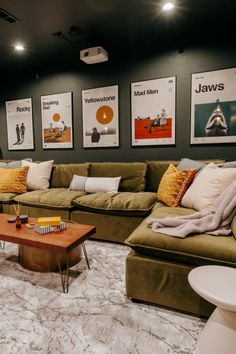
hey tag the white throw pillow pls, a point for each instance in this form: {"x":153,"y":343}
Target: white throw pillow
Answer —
{"x":207,"y":186}
{"x":78,"y":183}
{"x":102,"y":184}
{"x":95,"y":184}
{"x":38,"y":174}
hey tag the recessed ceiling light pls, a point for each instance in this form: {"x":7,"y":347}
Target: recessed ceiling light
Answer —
{"x":168,"y":6}
{"x":19,"y":47}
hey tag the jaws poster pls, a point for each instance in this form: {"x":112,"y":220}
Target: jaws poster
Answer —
{"x":153,"y":112}
{"x":56,"y":113}
{"x":20,"y":124}
{"x":100,"y":117}
{"x":213,"y":107}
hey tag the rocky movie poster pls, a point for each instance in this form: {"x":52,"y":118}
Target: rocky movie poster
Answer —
{"x":20,"y":124}
{"x":100,"y":117}
{"x":56,"y":113}
{"x":153,"y":112}
{"x":213,"y":107}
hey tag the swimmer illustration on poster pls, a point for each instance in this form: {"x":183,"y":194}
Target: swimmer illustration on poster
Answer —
{"x":57,"y":121}
{"x":100,"y":117}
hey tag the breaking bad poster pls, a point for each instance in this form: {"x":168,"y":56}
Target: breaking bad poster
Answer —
{"x":100,"y":117}
{"x":56,"y":113}
{"x":213,"y":107}
{"x":153,"y":112}
{"x":20,"y":124}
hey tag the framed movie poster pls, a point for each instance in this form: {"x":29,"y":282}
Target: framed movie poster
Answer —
{"x":20,"y":124}
{"x":56,"y":113}
{"x":100,"y":117}
{"x":213,"y":107}
{"x":153,"y":112}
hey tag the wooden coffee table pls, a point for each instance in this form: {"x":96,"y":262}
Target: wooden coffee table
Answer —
{"x":58,"y":246}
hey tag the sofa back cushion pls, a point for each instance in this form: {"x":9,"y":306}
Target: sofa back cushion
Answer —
{"x":62,"y":174}
{"x":156,"y":169}
{"x":133,"y":175}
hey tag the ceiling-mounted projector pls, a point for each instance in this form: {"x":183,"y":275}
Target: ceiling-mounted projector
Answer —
{"x":93,"y":55}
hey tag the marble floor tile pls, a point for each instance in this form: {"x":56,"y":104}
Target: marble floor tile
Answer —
{"x":95,"y":317}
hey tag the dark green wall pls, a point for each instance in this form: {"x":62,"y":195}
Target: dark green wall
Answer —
{"x":120,"y":72}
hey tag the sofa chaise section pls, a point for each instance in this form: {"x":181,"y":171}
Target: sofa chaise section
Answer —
{"x":158,"y":265}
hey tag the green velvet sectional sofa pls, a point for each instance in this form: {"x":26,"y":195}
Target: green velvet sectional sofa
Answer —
{"x":157,"y":265}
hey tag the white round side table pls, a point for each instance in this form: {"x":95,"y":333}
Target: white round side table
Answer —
{"x":217,"y":284}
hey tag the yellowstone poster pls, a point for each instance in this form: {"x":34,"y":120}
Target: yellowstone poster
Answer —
{"x":100,"y":117}
{"x":20,"y":124}
{"x":153,"y":112}
{"x":56,"y":113}
{"x":213,"y":107}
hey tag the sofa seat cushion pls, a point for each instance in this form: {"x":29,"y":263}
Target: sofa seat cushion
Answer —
{"x":7,"y":198}
{"x":55,"y":198}
{"x":123,"y":203}
{"x":197,"y":250}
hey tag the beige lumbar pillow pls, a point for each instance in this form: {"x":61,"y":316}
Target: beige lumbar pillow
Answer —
{"x":95,"y":184}
{"x":38,"y":174}
{"x":207,"y":186}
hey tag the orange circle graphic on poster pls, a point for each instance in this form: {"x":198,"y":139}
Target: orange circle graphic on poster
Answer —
{"x":56,"y":117}
{"x":104,"y":114}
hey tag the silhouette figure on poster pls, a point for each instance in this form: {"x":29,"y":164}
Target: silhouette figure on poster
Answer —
{"x":17,"y":135}
{"x":22,"y":133}
{"x":95,"y":136}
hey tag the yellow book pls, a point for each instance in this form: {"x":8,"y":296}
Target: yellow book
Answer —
{"x":49,"y":221}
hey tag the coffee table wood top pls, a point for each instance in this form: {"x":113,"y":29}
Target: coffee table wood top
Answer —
{"x":62,"y":241}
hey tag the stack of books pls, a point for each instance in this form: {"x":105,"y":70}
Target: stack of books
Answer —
{"x":49,"y":224}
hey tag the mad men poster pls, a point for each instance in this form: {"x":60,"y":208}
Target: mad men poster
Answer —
{"x":153,"y":112}
{"x":20,"y":124}
{"x":100,"y":117}
{"x":56,"y":113}
{"x":213,"y":107}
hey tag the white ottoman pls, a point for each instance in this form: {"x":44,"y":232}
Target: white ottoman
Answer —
{"x":217,"y":284}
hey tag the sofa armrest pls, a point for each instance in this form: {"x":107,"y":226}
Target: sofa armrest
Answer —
{"x":233,"y":226}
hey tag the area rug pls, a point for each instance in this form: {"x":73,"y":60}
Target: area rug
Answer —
{"x":95,"y":317}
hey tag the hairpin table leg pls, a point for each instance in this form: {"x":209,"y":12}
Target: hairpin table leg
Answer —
{"x":2,"y":245}
{"x":64,"y":275}
{"x":85,"y":254}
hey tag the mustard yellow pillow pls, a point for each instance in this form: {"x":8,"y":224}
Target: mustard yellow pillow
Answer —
{"x":13,"y":180}
{"x":174,"y":184}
